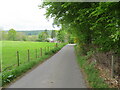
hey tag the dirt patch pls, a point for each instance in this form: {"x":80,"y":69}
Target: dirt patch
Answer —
{"x":105,"y":74}
{"x":104,"y":65}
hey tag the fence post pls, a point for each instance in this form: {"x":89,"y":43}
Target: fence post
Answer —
{"x":41,"y":52}
{"x":36,"y":53}
{"x":28,"y":55}
{"x":56,"y":45}
{"x":118,"y":70}
{"x":48,"y":49}
{"x":45,"y":50}
{"x":18,"y":60}
{"x":112,"y":66}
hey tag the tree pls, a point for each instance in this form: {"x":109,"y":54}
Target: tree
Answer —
{"x":20,"y":36}
{"x":31,"y":37}
{"x":45,"y":33}
{"x":4,"y":35}
{"x":42,"y":37}
{"x":96,"y":23}
{"x":61,"y":36}
{"x":53,"y":34}
{"x":12,"y":35}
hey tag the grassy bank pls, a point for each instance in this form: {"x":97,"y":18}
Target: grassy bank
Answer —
{"x":92,"y":74}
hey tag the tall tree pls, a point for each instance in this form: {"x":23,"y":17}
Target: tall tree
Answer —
{"x":12,"y":34}
{"x":92,"y":23}
{"x":53,"y":34}
{"x":42,"y":37}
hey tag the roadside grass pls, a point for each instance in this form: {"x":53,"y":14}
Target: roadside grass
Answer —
{"x":8,"y":76}
{"x":92,"y":74}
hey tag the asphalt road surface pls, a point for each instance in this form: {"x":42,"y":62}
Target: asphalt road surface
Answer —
{"x":59,"y":71}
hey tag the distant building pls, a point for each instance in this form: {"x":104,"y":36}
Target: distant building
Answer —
{"x":52,"y":39}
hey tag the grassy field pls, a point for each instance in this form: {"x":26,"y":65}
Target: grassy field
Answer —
{"x":9,"y":49}
{"x":9,"y":58}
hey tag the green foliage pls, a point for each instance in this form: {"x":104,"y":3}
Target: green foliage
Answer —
{"x":92,"y":23}
{"x":63,"y":36}
{"x":53,"y":34}
{"x":4,"y":35}
{"x":30,"y":38}
{"x":21,"y":36}
{"x":93,"y":77}
{"x":60,"y":36}
{"x":34,"y":32}
{"x":12,"y":34}
{"x":25,"y":35}
{"x":42,"y":37}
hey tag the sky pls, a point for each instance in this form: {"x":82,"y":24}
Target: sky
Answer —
{"x":23,"y":15}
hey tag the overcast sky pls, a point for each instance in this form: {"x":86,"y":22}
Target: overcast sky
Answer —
{"x":23,"y":15}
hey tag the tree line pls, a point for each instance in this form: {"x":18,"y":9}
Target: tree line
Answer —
{"x":95,"y":23}
{"x":13,"y":35}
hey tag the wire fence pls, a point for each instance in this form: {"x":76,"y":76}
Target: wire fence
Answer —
{"x":22,"y":57}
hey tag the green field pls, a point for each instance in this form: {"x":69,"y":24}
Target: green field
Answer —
{"x":9,"y":49}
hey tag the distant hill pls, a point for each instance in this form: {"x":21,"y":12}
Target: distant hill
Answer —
{"x":35,"y":32}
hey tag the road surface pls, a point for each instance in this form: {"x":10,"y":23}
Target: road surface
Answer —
{"x":59,"y":71}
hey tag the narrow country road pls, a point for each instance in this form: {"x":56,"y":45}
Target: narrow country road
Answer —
{"x":60,"y":71}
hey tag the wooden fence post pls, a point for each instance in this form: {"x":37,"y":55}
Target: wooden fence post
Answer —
{"x":18,"y":60}
{"x":45,"y":50}
{"x":56,"y":45}
{"x":28,"y":55}
{"x":36,"y":53}
{"x":41,"y":52}
{"x":112,"y":66}
{"x":118,"y":71}
{"x":48,"y":49}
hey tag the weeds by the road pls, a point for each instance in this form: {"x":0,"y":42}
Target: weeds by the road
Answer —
{"x":92,"y":74}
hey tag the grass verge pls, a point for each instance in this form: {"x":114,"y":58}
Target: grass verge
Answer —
{"x":8,"y":76}
{"x":92,"y":74}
